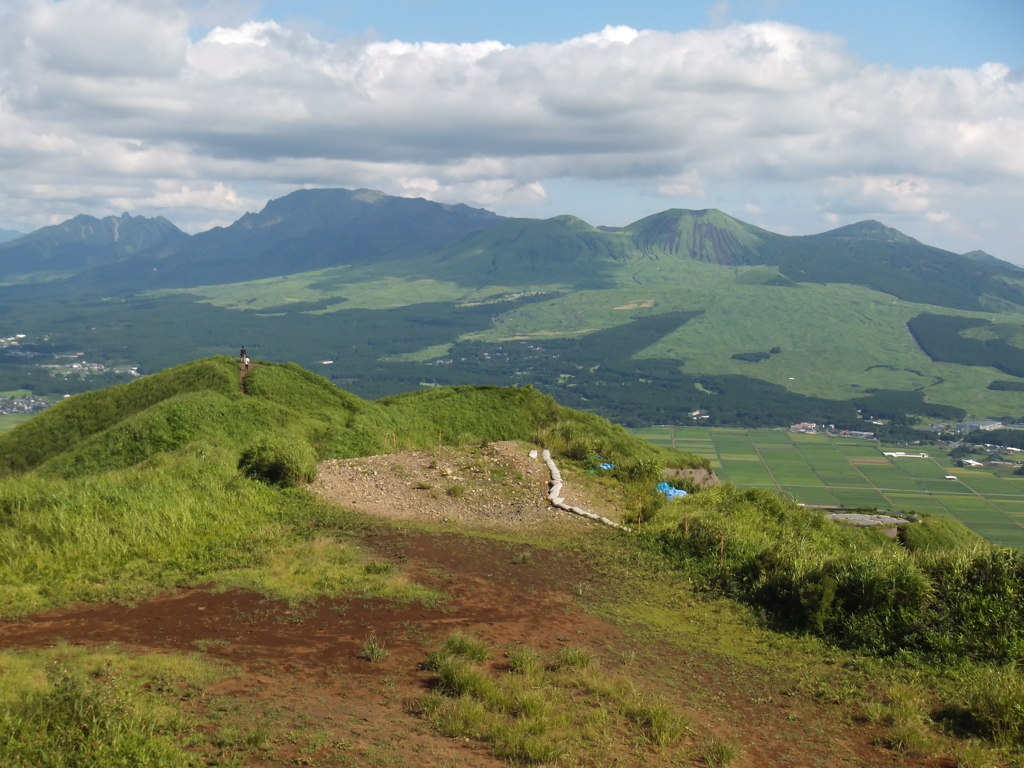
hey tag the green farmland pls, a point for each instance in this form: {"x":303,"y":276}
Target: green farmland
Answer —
{"x":821,"y":470}
{"x":11,"y":420}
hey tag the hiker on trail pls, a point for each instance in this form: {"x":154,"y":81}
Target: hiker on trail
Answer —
{"x":244,"y":356}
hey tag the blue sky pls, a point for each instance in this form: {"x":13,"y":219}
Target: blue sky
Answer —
{"x":796,"y":116}
{"x":903,"y":33}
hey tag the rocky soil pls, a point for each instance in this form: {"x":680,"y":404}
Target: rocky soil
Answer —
{"x":498,"y":484}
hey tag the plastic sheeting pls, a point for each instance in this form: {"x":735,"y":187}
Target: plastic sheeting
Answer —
{"x":670,"y":491}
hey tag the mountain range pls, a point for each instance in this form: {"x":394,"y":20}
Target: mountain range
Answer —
{"x":678,"y":312}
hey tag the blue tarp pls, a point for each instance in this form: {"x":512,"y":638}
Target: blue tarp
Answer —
{"x":670,"y":491}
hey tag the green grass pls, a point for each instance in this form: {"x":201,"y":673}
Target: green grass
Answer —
{"x":103,"y":707}
{"x":137,"y":511}
{"x":181,"y":477}
{"x":819,"y":470}
{"x":373,"y":649}
{"x":541,"y":709}
{"x":11,"y":420}
{"x":186,"y":518}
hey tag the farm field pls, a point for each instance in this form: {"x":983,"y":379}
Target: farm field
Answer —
{"x":822,"y":470}
{"x":11,"y":420}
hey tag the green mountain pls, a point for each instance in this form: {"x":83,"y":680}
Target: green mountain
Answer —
{"x":987,"y":258}
{"x":390,"y":294}
{"x":879,"y":257}
{"x":308,"y":230}
{"x":563,"y":251}
{"x":82,"y":243}
{"x":709,"y":236}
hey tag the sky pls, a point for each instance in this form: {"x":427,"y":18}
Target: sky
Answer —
{"x":798,"y":116}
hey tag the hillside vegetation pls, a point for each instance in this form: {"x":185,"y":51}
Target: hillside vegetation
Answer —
{"x":180,"y":475}
{"x":194,"y":476}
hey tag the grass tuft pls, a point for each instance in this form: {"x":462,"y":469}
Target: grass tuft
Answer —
{"x":373,"y":649}
{"x":719,"y":753}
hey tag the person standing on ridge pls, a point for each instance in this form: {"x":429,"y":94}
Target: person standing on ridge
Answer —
{"x":244,"y":359}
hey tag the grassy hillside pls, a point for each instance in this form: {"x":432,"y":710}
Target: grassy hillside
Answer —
{"x":710,"y":236}
{"x":194,"y":477}
{"x":834,"y":341}
{"x":181,"y":475}
{"x":68,"y":424}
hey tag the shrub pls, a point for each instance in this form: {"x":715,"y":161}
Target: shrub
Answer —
{"x":456,"y":489}
{"x":846,"y":584}
{"x":279,"y":461}
{"x":639,"y":470}
{"x":571,"y":658}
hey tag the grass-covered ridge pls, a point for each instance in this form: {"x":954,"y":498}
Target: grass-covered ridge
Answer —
{"x":183,"y":477}
{"x":66,"y":425}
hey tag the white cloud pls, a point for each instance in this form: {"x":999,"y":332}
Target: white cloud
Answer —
{"x":877,"y":194}
{"x":124,"y":99}
{"x":106,"y":38}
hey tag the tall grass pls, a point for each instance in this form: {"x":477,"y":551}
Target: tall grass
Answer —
{"x":939,"y":534}
{"x":67,"y":707}
{"x":186,"y":517}
{"x":992,"y":702}
{"x":853,"y":586}
{"x":179,"y":476}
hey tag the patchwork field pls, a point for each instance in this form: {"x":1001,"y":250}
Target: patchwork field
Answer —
{"x":11,"y":420}
{"x":817,"y":469}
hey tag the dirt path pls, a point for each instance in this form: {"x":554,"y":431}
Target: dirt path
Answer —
{"x":299,"y":669}
{"x":243,"y":374}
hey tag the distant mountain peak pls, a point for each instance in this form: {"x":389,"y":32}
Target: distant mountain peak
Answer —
{"x":868,"y":230}
{"x":988,"y":258}
{"x":570,"y":221}
{"x":311,"y":229}
{"x":86,"y":241}
{"x":705,"y":235}
{"x":137,"y":232}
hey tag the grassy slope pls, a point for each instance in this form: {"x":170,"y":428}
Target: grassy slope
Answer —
{"x":138,"y":487}
{"x":837,"y":341}
{"x":76,"y":419}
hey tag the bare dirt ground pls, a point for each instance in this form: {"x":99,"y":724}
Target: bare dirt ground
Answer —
{"x":299,"y":671}
{"x":498,"y":485}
